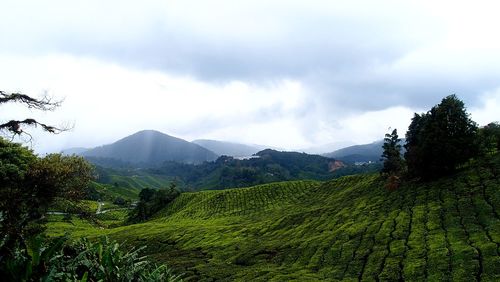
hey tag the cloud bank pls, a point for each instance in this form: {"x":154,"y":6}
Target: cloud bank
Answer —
{"x":285,"y":73}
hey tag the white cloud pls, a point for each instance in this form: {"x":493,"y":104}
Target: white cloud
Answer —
{"x":107,"y":101}
{"x":489,"y":111}
{"x":290,"y":74}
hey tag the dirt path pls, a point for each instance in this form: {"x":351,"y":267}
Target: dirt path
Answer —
{"x":99,"y":206}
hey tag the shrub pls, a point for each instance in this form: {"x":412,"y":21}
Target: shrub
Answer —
{"x":85,"y":260}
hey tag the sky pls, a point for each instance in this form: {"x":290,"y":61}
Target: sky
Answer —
{"x":288,"y":74}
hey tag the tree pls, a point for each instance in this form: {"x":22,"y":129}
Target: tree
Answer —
{"x":489,"y":138}
{"x":30,"y":184}
{"x":414,"y":156}
{"x":391,"y":155}
{"x":438,"y":141}
{"x":152,"y":201}
{"x":15,"y":127}
{"x":146,"y":194}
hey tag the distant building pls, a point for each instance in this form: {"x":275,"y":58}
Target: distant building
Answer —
{"x":247,"y":158}
{"x":363,"y":163}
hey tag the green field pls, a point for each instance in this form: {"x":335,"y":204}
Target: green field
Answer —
{"x":140,"y":181}
{"x":128,"y":186}
{"x":349,"y":229}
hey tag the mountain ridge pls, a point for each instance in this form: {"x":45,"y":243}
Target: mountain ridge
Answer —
{"x":370,"y":152}
{"x":224,"y":148}
{"x":151,"y":148}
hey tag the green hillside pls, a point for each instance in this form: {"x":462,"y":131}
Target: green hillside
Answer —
{"x":346,"y":229}
{"x":266,"y":166}
{"x":140,"y":181}
{"x":126,"y":184}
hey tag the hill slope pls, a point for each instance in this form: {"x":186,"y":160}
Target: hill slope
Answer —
{"x":150,"y":148}
{"x":359,"y":153}
{"x":267,"y":166}
{"x":223,"y":148}
{"x":347,"y":229}
{"x":74,"y":151}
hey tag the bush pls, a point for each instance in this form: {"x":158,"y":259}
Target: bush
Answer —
{"x":85,"y":260}
{"x":152,"y":201}
{"x":119,"y":201}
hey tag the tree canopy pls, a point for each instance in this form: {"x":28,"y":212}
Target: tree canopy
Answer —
{"x":440,"y":140}
{"x":391,"y":155}
{"x":151,"y":201}
{"x":28,"y":186}
{"x":489,"y":138}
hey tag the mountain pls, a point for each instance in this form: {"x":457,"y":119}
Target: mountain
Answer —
{"x":74,"y":151}
{"x":149,"y":148}
{"x":359,"y":153}
{"x":223,"y":148}
{"x":265,"y":167}
{"x":325,"y":148}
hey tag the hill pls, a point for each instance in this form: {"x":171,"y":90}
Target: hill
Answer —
{"x":359,"y":153}
{"x":325,"y":148}
{"x":265,"y":167}
{"x":222,"y":148}
{"x":149,"y":148}
{"x":350,"y":228}
{"x":74,"y":151}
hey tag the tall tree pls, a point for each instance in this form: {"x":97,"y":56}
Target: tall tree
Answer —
{"x":440,"y":140}
{"x":414,"y":156}
{"x":391,"y":155}
{"x":28,"y":185}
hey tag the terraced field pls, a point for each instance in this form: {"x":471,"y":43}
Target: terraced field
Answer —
{"x":348,"y":229}
{"x":129,"y":186}
{"x":140,"y":181}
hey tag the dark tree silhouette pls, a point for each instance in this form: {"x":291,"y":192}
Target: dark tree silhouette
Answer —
{"x":391,"y":155}
{"x":440,"y":140}
{"x":16,"y":127}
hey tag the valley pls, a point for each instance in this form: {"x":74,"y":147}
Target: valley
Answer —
{"x":185,"y":141}
{"x":345,"y":229}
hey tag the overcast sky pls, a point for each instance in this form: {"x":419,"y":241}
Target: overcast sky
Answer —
{"x":291,"y":74}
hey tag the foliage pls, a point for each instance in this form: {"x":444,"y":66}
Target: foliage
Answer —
{"x":15,"y":161}
{"x":393,"y":163}
{"x":29,"y":186}
{"x":489,"y":138}
{"x":120,"y":201}
{"x":59,"y":175}
{"x":124,"y":183}
{"x":91,"y":193}
{"x":440,"y":140}
{"x":151,"y":201}
{"x":85,"y":260}
{"x":353,"y":169}
{"x":348,"y":229}
{"x":266,"y":167}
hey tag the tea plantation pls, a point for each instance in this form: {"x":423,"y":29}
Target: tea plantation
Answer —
{"x":348,"y":229}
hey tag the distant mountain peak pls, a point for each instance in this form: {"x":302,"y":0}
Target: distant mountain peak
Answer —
{"x":151,"y":148}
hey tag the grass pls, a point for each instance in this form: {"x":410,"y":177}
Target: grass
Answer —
{"x":347,"y":229}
